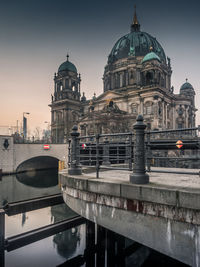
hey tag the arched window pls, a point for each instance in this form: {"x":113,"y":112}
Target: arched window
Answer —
{"x":148,"y":108}
{"x":149,"y":78}
{"x":134,"y":108}
{"x":73,"y":86}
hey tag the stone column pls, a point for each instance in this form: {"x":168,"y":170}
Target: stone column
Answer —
{"x":186,"y":116}
{"x":65,"y":125}
{"x":166,"y":105}
{"x":141,"y":106}
{"x":163,"y":114}
{"x":173,"y":116}
{"x":138,"y":77}
{"x":139,"y":175}
{"x":126,"y":78}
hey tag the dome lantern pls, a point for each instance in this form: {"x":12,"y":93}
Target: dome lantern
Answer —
{"x":135,"y":27}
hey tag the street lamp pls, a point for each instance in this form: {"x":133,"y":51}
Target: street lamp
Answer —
{"x":25,"y":125}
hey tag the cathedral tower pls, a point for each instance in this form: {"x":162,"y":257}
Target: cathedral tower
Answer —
{"x":65,"y":106}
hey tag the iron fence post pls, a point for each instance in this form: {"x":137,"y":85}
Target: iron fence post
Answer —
{"x":106,"y":153}
{"x":69,"y":153}
{"x":75,"y":168}
{"x":126,"y":150}
{"x":97,"y":155}
{"x":130,"y":152}
{"x":139,"y":175}
{"x":90,"y":155}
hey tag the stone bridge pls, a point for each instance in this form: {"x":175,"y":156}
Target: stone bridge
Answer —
{"x":28,"y":156}
{"x":163,"y":215}
{"x":159,"y":209}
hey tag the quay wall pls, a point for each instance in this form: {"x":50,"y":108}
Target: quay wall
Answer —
{"x":164,"y":219}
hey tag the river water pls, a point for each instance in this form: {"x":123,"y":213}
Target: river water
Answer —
{"x":50,"y":251}
{"x":56,"y":249}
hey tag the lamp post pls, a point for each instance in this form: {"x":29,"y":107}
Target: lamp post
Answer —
{"x":25,"y":125}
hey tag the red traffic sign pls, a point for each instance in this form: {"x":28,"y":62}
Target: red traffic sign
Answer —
{"x":179,"y":143}
{"x":83,"y":146}
{"x":46,"y":147}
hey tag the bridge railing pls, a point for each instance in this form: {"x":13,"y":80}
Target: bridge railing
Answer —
{"x":173,"y":148}
{"x":135,"y":151}
{"x":102,"y":151}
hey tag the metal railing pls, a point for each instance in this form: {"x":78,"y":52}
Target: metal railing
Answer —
{"x":131,"y":151}
{"x":162,"y":148}
{"x":104,"y":151}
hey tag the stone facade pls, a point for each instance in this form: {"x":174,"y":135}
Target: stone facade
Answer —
{"x":136,"y":80}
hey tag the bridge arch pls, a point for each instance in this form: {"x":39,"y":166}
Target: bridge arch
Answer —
{"x":38,"y":163}
{"x":24,"y":152}
{"x":39,"y":179}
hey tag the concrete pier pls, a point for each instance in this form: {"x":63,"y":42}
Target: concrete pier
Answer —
{"x":163,"y":215}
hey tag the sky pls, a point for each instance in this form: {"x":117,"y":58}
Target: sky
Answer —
{"x":36,"y":35}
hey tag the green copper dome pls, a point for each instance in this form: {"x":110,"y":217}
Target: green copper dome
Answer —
{"x":136,"y":43}
{"x":187,"y":89}
{"x":186,"y":86}
{"x":150,"y":56}
{"x":67,"y":66}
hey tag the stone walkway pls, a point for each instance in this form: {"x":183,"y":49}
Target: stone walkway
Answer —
{"x":187,"y":182}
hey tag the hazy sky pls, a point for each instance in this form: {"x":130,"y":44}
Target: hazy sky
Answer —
{"x":36,"y":35}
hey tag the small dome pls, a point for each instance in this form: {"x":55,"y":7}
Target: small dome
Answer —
{"x":151,"y":56}
{"x":187,"y":89}
{"x":67,"y":66}
{"x":186,"y":85}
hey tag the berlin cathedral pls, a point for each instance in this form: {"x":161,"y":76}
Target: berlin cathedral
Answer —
{"x":136,"y":80}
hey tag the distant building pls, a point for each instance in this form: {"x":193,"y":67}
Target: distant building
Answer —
{"x":136,"y":80}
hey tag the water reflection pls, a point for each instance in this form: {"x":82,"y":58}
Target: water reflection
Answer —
{"x":51,"y":251}
{"x":68,"y":244}
{"x":28,"y":185}
{"x":68,"y":241}
{"x":39,"y":179}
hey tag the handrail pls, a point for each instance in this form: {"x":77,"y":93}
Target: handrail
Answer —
{"x":106,"y":150}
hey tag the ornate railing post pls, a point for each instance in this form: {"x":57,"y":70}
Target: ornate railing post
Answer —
{"x":139,"y":175}
{"x":69,"y":153}
{"x":106,"y":153}
{"x":97,"y":155}
{"x":75,"y":168}
{"x":130,"y":153}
